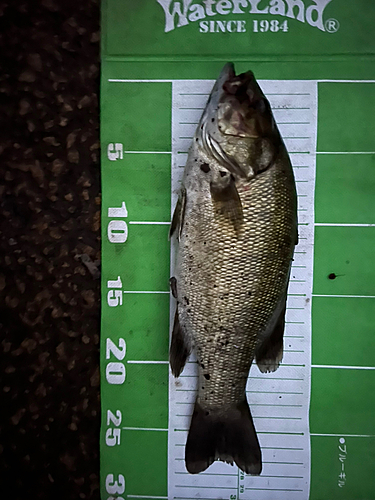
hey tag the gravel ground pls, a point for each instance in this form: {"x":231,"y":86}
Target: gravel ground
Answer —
{"x":49,"y":249}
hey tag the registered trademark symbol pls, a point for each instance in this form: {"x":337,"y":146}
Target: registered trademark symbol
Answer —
{"x":332,"y":25}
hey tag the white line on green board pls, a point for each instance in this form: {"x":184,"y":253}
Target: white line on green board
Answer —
{"x":149,"y":152}
{"x":145,"y":496}
{"x":120,"y":80}
{"x":144,"y":429}
{"x":345,"y":367}
{"x":334,"y":224}
{"x":344,"y":435}
{"x":149,"y":222}
{"x":146,"y":362}
{"x":346,"y":81}
{"x":345,"y":153}
{"x":345,"y":296}
{"x":143,"y":291}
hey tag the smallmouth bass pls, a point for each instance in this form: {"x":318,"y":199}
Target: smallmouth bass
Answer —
{"x":236,"y":225}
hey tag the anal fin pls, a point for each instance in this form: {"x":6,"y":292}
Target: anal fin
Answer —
{"x":179,"y":350}
{"x":270,"y":352}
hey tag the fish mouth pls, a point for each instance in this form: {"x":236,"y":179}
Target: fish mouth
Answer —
{"x":243,"y":109}
{"x":226,"y":74}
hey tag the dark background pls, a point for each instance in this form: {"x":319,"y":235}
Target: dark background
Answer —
{"x":49,"y":249}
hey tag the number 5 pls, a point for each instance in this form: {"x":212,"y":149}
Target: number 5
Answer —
{"x":113,"y":487}
{"x":112,"y":437}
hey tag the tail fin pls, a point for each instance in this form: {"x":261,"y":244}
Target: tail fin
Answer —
{"x":223,"y":435}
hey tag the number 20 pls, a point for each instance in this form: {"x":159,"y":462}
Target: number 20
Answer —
{"x":115,"y":372}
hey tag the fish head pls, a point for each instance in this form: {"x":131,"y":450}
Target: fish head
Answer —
{"x":243,"y":109}
{"x":237,"y":124}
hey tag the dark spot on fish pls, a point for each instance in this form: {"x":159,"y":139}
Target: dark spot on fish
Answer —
{"x":202,"y":387}
{"x":202,"y":366}
{"x":205,"y":168}
{"x":186,"y":300}
{"x":249,"y":294}
{"x":280,"y":397}
{"x":207,"y":376}
{"x":211,"y":392}
{"x":204,"y":243}
{"x":212,"y":119}
{"x":207,"y":413}
{"x":196,"y":139}
{"x":202,"y":126}
{"x":222,"y":173}
{"x":188,"y":310}
{"x":215,"y":286}
{"x":232,"y":177}
{"x":332,"y":276}
{"x":195,"y":159}
{"x":226,"y":342}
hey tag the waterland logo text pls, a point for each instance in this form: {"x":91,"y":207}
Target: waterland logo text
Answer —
{"x":181,"y":13}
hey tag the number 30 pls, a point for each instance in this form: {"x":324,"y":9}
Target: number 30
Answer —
{"x":113,"y":487}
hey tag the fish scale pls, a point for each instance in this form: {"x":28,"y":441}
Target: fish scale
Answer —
{"x":236,"y":271}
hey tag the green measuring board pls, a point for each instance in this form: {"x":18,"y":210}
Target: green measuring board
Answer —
{"x":315,"y":416}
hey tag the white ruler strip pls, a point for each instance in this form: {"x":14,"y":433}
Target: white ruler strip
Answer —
{"x":279,"y":401}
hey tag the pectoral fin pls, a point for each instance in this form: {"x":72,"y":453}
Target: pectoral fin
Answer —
{"x":178,"y":215}
{"x":226,"y":200}
{"x":179,"y":349}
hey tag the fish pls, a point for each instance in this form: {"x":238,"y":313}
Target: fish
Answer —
{"x":235,"y":225}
